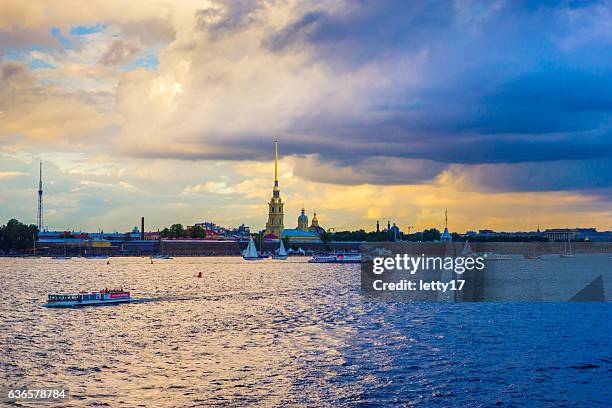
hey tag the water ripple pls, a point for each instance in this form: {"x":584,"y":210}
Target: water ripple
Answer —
{"x":288,"y":333}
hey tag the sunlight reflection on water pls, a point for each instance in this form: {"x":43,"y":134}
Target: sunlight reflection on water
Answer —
{"x":286,"y":332}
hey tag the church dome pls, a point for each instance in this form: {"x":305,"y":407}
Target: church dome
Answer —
{"x":303,"y":216}
{"x":303,"y":221}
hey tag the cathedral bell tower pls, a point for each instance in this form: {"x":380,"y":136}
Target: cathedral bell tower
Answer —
{"x":274,"y":225}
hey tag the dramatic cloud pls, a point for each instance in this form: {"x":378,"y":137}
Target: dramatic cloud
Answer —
{"x":465,"y":97}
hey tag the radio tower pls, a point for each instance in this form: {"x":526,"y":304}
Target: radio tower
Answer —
{"x":40,"y":201}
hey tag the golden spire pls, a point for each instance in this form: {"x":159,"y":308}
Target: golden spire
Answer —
{"x":276,"y":163}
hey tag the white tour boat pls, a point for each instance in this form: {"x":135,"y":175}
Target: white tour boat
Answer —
{"x":492,"y":256}
{"x":103,"y":297}
{"x":161,"y":256}
{"x":337,"y":258}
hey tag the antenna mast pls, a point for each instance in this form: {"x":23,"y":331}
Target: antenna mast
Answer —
{"x":40,"y":200}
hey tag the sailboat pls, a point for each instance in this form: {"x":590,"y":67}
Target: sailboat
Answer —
{"x":532,"y":254}
{"x":281,"y":253}
{"x":467,"y":249}
{"x":250,"y":253}
{"x":567,"y":250}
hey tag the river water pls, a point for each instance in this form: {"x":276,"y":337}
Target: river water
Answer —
{"x":277,"y":333}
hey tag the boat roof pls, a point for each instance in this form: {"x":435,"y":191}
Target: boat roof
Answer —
{"x":88,"y":293}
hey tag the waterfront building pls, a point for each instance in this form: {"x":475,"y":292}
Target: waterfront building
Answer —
{"x":297,"y":236}
{"x":303,"y":233}
{"x":577,"y":234}
{"x":591,"y":234}
{"x":560,"y":234}
{"x":242,"y":230}
{"x":152,"y":235}
{"x":274,"y":226}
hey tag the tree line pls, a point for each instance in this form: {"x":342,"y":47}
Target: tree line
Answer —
{"x":17,"y":236}
{"x":178,"y":231}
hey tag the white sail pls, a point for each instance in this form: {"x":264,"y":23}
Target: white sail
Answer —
{"x":467,"y":249}
{"x":281,"y":249}
{"x":251,"y":250}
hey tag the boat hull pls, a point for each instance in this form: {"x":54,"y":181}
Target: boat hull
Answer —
{"x":339,"y":261}
{"x":76,"y":303}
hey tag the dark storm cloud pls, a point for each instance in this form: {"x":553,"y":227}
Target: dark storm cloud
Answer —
{"x":513,"y":82}
{"x":500,"y":74}
{"x":357,"y":32}
{"x":537,"y":176}
{"x":468,"y":83}
{"x":373,"y":170}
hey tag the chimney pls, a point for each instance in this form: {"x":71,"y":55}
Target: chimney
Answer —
{"x":142,"y":228}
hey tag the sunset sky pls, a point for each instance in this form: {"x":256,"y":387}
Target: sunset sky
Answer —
{"x":500,"y":111}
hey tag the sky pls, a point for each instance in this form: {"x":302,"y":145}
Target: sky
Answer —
{"x":384,"y":110}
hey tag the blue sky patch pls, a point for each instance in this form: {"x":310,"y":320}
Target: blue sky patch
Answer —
{"x":65,"y":41}
{"x":38,"y":63}
{"x":85,"y":30}
{"x":148,"y":61}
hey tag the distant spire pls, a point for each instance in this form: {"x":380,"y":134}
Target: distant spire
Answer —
{"x":377,"y":226}
{"x":446,"y":218}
